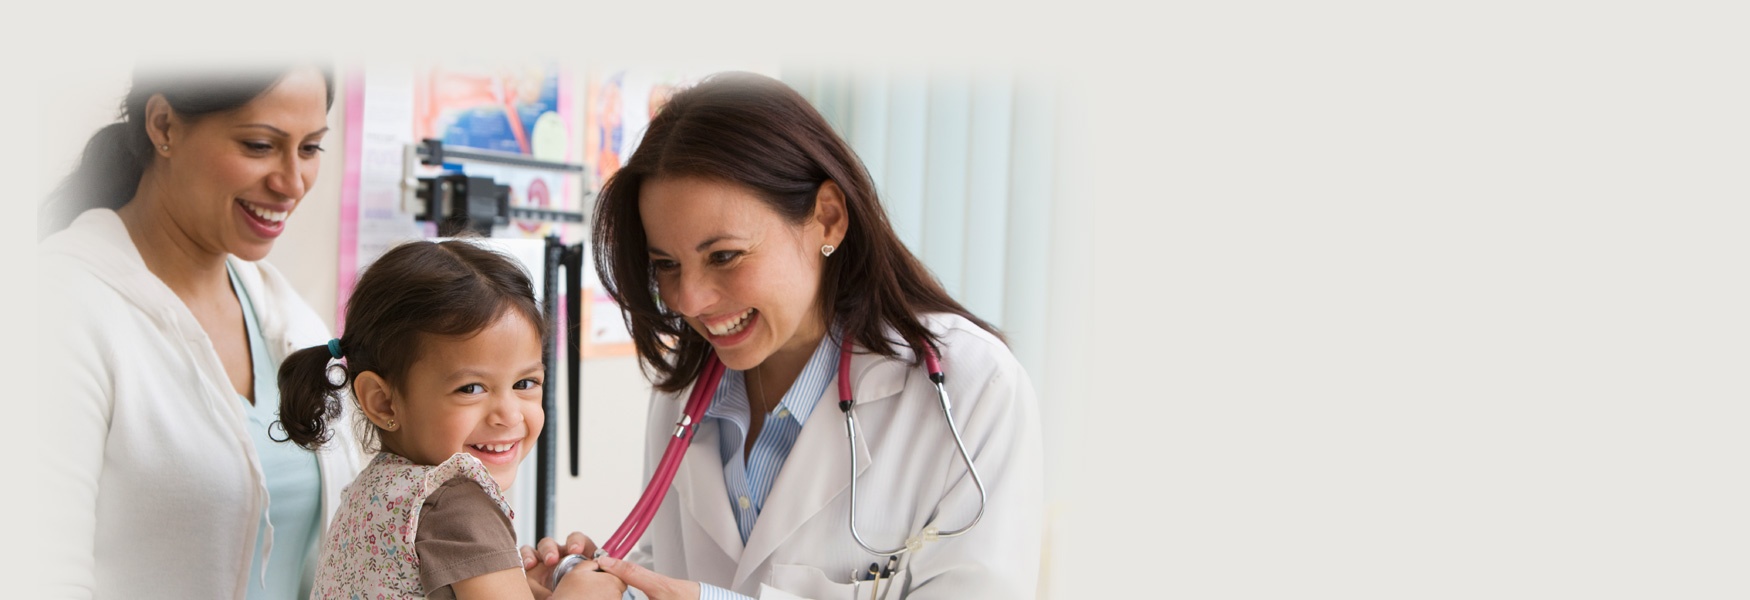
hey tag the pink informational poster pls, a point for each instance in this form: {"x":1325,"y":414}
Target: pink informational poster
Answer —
{"x":379,"y":127}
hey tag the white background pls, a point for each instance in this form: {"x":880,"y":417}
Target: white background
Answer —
{"x":1429,"y":303}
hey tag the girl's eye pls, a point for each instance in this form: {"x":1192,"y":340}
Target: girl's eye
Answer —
{"x":257,"y":146}
{"x":472,"y":388}
{"x":313,"y":148}
{"x":526,"y":384}
{"x":664,"y":265}
{"x":721,"y":257}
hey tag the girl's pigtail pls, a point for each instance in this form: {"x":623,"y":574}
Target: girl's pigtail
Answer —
{"x":309,"y":400}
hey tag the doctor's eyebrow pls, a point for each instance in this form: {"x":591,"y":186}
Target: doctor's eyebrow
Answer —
{"x":702,"y":245}
{"x":279,"y":131}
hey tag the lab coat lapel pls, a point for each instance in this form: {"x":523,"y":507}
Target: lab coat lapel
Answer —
{"x":702,"y":491}
{"x":815,"y":473}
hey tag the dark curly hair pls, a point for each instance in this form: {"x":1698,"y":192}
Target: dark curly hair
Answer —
{"x":449,"y":288}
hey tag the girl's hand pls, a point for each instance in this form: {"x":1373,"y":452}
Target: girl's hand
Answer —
{"x":538,"y":562}
{"x":584,"y":583}
{"x":655,"y":586}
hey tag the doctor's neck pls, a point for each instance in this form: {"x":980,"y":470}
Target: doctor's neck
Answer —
{"x":779,"y":371}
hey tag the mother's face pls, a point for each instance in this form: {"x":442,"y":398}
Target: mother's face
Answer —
{"x":231,"y":179}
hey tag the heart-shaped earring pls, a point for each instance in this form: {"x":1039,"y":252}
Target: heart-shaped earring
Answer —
{"x":826,"y":250}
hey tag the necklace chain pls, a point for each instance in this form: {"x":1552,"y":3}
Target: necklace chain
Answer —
{"x":758,"y":392}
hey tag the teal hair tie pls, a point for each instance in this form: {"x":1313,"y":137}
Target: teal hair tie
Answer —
{"x":334,"y":348}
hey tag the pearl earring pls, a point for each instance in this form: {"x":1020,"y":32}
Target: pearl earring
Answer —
{"x":826,"y":250}
{"x":165,"y":147}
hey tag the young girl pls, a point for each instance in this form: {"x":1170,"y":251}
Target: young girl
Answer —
{"x":443,"y":353}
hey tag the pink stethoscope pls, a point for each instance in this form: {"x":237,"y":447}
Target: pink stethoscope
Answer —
{"x":623,"y":539}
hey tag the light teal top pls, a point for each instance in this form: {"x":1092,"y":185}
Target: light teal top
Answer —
{"x":294,"y":481}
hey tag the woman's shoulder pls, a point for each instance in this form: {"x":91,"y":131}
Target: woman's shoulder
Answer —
{"x":94,"y":250}
{"x":968,"y":346}
{"x":97,"y":229}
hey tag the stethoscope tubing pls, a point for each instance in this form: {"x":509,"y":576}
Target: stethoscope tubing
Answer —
{"x":937,"y":378}
{"x":620,"y":544}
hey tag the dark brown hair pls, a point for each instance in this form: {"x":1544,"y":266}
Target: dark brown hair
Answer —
{"x":451,"y":288}
{"x":116,"y":156}
{"x":755,"y":132}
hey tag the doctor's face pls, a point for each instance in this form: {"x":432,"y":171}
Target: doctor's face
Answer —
{"x":231,"y":179}
{"x":737,"y":271}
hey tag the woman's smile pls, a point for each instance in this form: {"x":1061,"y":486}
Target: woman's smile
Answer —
{"x":267,"y":222}
{"x":734,"y":325}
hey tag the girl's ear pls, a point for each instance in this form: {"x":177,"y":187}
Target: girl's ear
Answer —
{"x":376,"y":400}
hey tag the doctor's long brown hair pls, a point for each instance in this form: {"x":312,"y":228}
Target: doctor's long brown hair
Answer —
{"x":756,"y":132}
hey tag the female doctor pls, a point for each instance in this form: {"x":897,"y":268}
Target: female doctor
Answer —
{"x":744,"y":227}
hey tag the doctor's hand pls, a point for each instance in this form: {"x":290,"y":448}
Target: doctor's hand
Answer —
{"x":538,"y":562}
{"x":655,"y":586}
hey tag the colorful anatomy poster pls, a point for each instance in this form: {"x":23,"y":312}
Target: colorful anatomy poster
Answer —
{"x":519,"y":109}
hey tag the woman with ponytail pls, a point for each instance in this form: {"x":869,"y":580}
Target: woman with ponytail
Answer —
{"x":167,"y":481}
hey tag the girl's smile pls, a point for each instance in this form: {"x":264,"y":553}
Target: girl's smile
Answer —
{"x":479,"y":394}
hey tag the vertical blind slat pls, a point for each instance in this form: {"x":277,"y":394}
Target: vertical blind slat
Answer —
{"x":987,"y":197}
{"x":908,"y":114}
{"x":944,"y":207}
{"x":1030,"y":176}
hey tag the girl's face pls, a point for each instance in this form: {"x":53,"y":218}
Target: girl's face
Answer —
{"x":479,"y":394}
{"x":738,"y":273}
{"x":231,"y":179}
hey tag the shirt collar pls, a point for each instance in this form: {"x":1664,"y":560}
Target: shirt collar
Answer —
{"x":731,"y":401}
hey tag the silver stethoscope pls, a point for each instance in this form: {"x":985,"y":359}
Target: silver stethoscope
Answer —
{"x":633,"y":528}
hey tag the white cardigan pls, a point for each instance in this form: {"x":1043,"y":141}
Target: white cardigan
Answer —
{"x":153,"y":487}
{"x":909,"y":474}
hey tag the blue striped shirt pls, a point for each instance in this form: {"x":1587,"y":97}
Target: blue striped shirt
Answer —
{"x":748,"y":485}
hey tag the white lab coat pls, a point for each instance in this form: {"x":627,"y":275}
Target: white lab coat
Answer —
{"x":909,"y":474}
{"x":153,"y":488}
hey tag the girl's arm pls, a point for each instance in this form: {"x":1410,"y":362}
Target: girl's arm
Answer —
{"x":508,"y":583}
{"x":583,"y":583}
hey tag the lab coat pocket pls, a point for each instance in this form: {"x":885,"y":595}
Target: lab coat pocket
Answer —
{"x":805,"y":581}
